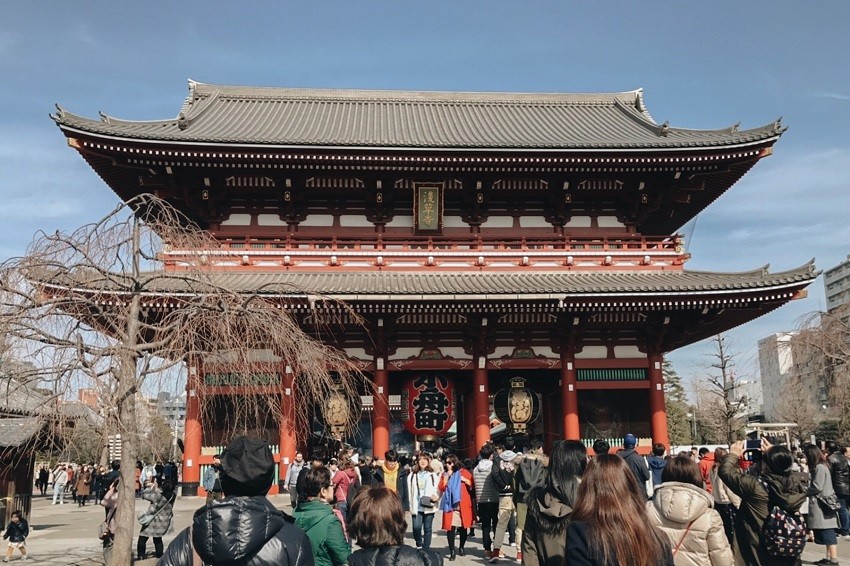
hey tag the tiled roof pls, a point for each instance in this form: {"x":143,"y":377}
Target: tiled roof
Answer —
{"x":410,"y":119}
{"x":19,"y":398}
{"x":401,"y":286}
{"x":17,"y":431}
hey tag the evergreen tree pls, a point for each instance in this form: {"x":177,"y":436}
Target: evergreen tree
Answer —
{"x":676,"y":402}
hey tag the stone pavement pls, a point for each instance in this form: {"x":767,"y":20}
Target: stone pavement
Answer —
{"x":66,"y":535}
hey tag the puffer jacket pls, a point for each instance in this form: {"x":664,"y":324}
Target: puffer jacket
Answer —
{"x":324,"y":531}
{"x":686,"y":515}
{"x":485,"y":489}
{"x":839,"y":467}
{"x":544,"y":537}
{"x":756,"y":502}
{"x":394,"y":556}
{"x":240,"y":530}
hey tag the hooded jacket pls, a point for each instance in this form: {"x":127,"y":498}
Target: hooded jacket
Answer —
{"x":755,"y":505}
{"x":530,"y":473}
{"x":656,"y":466}
{"x":685,"y":513}
{"x":485,"y":489}
{"x":545,"y":535}
{"x":325,"y":532}
{"x":705,"y":466}
{"x":394,"y":556}
{"x":240,"y":530}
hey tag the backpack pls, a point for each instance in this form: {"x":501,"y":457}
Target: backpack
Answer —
{"x":783,"y":533}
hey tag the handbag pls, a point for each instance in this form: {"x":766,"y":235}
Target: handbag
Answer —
{"x":103,"y":531}
{"x":146,"y":518}
{"x":425,"y":501}
{"x":829,"y":502}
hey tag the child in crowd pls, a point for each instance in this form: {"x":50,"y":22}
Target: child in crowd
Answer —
{"x":17,"y":532}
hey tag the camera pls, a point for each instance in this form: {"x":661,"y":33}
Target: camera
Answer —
{"x":752,"y":444}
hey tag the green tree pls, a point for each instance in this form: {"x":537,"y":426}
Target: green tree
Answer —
{"x":676,"y":402}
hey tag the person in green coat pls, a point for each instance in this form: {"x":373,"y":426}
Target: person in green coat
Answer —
{"x":318,"y":520}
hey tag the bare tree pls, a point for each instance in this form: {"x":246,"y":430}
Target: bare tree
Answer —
{"x":822,"y":359}
{"x":719,"y":406}
{"x":96,"y":309}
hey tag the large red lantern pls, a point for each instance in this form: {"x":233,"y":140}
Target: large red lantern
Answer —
{"x":428,"y":404}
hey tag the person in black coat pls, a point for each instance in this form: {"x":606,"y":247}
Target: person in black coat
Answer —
{"x":839,"y":470}
{"x":378,"y":527}
{"x":244,"y":528}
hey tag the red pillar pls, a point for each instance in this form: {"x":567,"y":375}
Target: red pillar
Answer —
{"x":481,"y":402}
{"x":569,"y":397}
{"x":550,"y":421}
{"x":381,"y":410}
{"x":657,"y":410}
{"x":192,"y":437}
{"x":288,"y":443}
{"x":468,"y":438}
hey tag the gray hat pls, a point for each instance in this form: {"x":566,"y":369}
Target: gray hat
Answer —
{"x":507,"y":455}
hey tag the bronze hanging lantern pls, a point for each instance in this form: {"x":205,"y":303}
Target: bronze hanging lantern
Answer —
{"x":517,"y":405}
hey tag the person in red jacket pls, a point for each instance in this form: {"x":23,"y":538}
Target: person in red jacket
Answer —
{"x":706,"y":462}
{"x":456,"y":486}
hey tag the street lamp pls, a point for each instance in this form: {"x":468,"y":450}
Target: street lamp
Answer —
{"x":693,"y":421}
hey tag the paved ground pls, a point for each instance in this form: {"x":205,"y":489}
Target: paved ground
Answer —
{"x":66,"y":535}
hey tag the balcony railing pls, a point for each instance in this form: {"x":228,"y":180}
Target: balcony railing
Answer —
{"x":384,"y":251}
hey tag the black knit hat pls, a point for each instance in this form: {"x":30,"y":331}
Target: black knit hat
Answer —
{"x":247,"y":467}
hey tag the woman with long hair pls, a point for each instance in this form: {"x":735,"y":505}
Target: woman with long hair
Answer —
{"x":774,"y":486}
{"x":456,"y":504}
{"x":378,"y":526}
{"x":551,"y":505}
{"x":821,"y":520}
{"x":422,"y":499}
{"x":682,"y":508}
{"x":609,"y":525}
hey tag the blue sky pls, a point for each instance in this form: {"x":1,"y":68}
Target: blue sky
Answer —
{"x":701,"y":65}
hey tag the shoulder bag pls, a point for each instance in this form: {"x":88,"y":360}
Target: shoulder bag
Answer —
{"x":829,"y":503}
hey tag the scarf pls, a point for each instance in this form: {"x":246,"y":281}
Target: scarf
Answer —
{"x":390,"y":477}
{"x":451,"y":498}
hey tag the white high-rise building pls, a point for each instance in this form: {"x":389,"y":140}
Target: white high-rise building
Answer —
{"x":776,"y":365}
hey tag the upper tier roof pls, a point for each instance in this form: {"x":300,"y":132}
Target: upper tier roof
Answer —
{"x":411,"y":119}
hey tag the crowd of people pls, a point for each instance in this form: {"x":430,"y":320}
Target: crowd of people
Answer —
{"x":560,"y":508}
{"x":718,"y":507}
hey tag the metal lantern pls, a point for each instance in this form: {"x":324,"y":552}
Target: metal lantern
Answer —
{"x":517,"y":405}
{"x":338,"y":411}
{"x":428,"y":405}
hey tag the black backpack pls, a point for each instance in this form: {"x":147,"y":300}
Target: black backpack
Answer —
{"x":783,"y":534}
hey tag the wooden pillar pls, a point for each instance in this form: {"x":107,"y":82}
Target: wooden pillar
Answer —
{"x":193,"y":435}
{"x":569,"y":395}
{"x":288,"y":442}
{"x":481,"y":402}
{"x":381,"y":409}
{"x":657,"y":410}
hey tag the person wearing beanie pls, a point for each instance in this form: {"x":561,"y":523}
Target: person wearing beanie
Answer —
{"x":503,"y":479}
{"x":636,"y":462}
{"x":244,"y":527}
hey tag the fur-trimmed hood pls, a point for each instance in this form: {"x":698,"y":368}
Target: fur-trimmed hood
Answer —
{"x":550,"y":512}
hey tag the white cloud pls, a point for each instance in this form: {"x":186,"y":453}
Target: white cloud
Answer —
{"x":833,"y":95}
